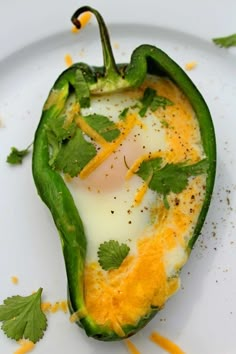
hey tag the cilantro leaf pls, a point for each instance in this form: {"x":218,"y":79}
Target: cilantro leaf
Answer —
{"x":153,"y":101}
{"x":57,"y":133}
{"x":123,"y":113}
{"x":159,"y":101}
{"x":58,"y":128}
{"x":146,"y":101}
{"x":111,"y":254}
{"x":22,"y":317}
{"x":81,"y":89}
{"x":74,"y":154}
{"x":226,"y":42}
{"x":170,"y":177}
{"x":103,"y":126}
{"x":16,"y":156}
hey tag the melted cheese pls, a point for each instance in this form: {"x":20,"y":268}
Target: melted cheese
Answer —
{"x":126,"y":294}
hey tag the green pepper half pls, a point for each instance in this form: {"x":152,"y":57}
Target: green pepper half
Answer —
{"x":84,"y":81}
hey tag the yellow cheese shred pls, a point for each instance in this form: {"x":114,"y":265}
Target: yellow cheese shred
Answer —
{"x":64,"y":306}
{"x":90,"y":131}
{"x":14,"y":280}
{"x":191,"y":65}
{"x":68,"y":60}
{"x":134,"y":168}
{"x":55,"y":307}
{"x":131,"y":347}
{"x":165,"y":344}
{"x":26,"y":346}
{"x":109,"y":148}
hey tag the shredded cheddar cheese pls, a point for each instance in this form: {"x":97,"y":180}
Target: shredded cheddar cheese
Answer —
{"x":26,"y":347}
{"x":134,"y":168}
{"x":55,"y":307}
{"x":15,"y":280}
{"x":46,"y":306}
{"x":166,"y":344}
{"x":63,"y":306}
{"x":87,"y":129}
{"x":191,"y":65}
{"x":68,"y":60}
{"x":109,"y":148}
{"x":131,"y":347}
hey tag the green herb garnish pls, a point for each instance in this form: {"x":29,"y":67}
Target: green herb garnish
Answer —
{"x":123,"y":113}
{"x":74,"y":154}
{"x":22,"y":317}
{"x":16,"y":156}
{"x":153,"y":101}
{"x":103,"y":126}
{"x":170,"y":177}
{"x":111,"y":254}
{"x":226,"y":42}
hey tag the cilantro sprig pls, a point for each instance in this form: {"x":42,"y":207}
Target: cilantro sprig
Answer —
{"x":170,"y":177}
{"x":74,"y":154}
{"x":103,"y":126}
{"x":16,"y":156}
{"x":153,"y":101}
{"x":22,"y":317}
{"x":226,"y":42}
{"x":111,"y":254}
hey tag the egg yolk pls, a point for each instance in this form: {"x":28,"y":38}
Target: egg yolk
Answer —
{"x":110,"y":175}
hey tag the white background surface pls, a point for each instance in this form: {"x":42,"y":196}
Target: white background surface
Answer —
{"x":34,"y":37}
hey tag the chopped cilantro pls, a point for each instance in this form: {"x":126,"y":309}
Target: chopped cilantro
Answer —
{"x":81,"y":89}
{"x":22,"y":317}
{"x":74,"y":154}
{"x":111,"y":254}
{"x":103,"y":126}
{"x":123,"y":113}
{"x":58,"y":128}
{"x":16,"y":156}
{"x":57,"y":133}
{"x":159,"y":101}
{"x":164,"y":123}
{"x":153,"y":101}
{"x":170,"y":177}
{"x":226,"y":42}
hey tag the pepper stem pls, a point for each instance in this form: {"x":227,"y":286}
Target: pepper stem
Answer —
{"x":111,"y":70}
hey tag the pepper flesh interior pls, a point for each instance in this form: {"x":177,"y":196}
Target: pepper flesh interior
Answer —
{"x":149,"y":274}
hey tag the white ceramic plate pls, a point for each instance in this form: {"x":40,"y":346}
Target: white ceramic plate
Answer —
{"x":34,"y":38}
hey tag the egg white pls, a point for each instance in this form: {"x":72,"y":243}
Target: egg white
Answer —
{"x":105,"y":199}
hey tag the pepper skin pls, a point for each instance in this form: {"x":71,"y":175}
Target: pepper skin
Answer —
{"x":86,"y":81}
